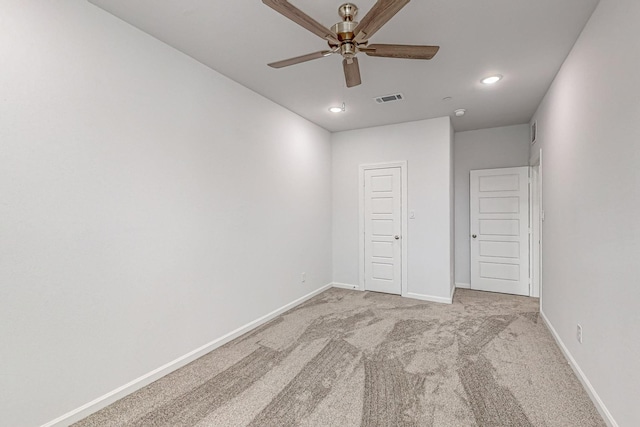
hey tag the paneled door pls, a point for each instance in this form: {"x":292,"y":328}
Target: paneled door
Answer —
{"x":383,"y":230}
{"x":500,"y":230}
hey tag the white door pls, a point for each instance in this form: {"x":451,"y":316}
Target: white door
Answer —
{"x":500,"y":230}
{"x":383,"y":230}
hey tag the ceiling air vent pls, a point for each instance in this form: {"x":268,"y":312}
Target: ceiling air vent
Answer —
{"x":389,"y":98}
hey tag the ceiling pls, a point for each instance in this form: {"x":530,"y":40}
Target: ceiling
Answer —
{"x":526,"y":41}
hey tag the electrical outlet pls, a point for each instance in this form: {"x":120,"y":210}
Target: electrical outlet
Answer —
{"x":579,"y":333}
{"x":304,"y":277}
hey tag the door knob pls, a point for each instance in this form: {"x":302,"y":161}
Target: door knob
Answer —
{"x":474,"y":236}
{"x":396,"y":237}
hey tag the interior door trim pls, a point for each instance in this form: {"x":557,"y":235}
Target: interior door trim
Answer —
{"x":404,"y":215}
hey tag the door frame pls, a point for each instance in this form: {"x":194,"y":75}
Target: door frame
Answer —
{"x":404,"y":216}
{"x":534,"y":231}
{"x":536,"y":228}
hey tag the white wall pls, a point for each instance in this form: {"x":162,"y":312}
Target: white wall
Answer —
{"x":481,"y":149}
{"x":589,"y":130}
{"x":425,"y":145}
{"x":149,"y":206}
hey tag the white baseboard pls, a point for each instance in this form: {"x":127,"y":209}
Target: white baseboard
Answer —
{"x":345,"y":286}
{"x":602,"y":409}
{"x":442,"y":300}
{"x":107,"y":399}
{"x":463,"y":285}
{"x":407,"y":295}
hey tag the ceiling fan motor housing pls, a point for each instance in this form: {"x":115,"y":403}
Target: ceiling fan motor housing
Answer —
{"x":344,"y":30}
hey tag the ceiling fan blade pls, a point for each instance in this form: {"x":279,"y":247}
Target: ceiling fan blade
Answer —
{"x":401,"y":51}
{"x":299,"y":17}
{"x":351,"y":72}
{"x":380,"y":14}
{"x":299,"y":59}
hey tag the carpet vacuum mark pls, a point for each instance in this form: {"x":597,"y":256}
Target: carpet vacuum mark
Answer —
{"x":193,"y":406}
{"x":303,"y":394}
{"x":350,"y":358}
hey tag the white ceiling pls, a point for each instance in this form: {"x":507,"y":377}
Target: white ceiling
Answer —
{"x":524,"y":40}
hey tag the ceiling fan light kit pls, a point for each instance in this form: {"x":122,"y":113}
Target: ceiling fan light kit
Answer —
{"x":349,"y":37}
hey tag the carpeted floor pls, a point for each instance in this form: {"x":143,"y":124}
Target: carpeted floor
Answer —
{"x":349,"y":358}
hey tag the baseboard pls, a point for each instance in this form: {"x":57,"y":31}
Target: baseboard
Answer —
{"x":107,"y":399}
{"x":602,"y":409}
{"x":442,"y":300}
{"x":463,"y":285}
{"x":345,"y":286}
{"x":422,"y":297}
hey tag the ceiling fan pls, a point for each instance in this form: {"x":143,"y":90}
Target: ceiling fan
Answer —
{"x":349,"y":37}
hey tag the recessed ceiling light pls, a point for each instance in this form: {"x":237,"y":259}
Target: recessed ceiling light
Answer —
{"x":337,"y":109}
{"x":491,"y":79}
{"x":447,"y":99}
{"x":460,"y":112}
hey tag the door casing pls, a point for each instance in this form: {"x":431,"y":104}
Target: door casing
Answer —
{"x":535,"y":226}
{"x":537,"y":264}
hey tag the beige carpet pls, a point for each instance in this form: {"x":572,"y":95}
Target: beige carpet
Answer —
{"x":349,"y":358}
